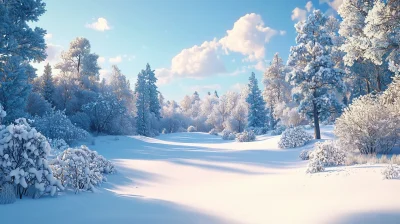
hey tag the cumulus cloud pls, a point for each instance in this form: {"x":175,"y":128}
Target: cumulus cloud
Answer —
{"x":198,"y":61}
{"x":301,"y":14}
{"x":248,"y":37}
{"x":105,"y":74}
{"x":101,"y":60}
{"x":48,"y":36}
{"x":115,"y":60}
{"x":334,"y":4}
{"x":53,"y":52}
{"x":100,"y":25}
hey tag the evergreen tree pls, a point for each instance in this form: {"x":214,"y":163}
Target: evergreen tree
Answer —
{"x":257,"y":113}
{"x":47,"y":84}
{"x":151,"y":81}
{"x":276,"y":89}
{"x":216,"y":94}
{"x":313,"y":70}
{"x":19,"y":45}
{"x":142,"y":105}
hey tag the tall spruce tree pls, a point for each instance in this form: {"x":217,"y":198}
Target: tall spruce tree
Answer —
{"x":151,"y":81}
{"x":47,"y":84}
{"x":257,"y":113}
{"x":313,"y":72}
{"x":142,"y":105}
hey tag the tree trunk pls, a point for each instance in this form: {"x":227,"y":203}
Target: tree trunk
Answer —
{"x":317,"y":131}
{"x":368,"y":87}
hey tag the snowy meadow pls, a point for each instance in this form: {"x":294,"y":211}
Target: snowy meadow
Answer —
{"x":315,"y":140}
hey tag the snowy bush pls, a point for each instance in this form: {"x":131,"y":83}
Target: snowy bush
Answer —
{"x":246,"y":136}
{"x":328,"y":153}
{"x":294,"y":137}
{"x":213,"y":132}
{"x":305,"y":154}
{"x":23,"y":159}
{"x":81,"y":120}
{"x":56,"y":125}
{"x":391,"y":172}
{"x":368,"y":125}
{"x":7,"y":193}
{"x":191,"y":129}
{"x":315,"y":166}
{"x":278,"y":131}
{"x":57,"y":146}
{"x":2,"y":114}
{"x":80,"y":169}
{"x":228,"y":135}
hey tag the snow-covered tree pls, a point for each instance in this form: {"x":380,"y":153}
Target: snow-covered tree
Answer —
{"x":79,"y":63}
{"x":37,"y":105}
{"x":151,"y":81}
{"x":294,"y":137}
{"x":314,"y":72}
{"x":103,"y":111}
{"x":276,"y":89}
{"x":257,"y":113}
{"x":3,"y":114}
{"x":56,"y":125}
{"x":369,"y":125}
{"x":383,"y":32}
{"x":142,"y":105}
{"x":23,"y":155}
{"x":47,"y":84}
{"x":121,"y":88}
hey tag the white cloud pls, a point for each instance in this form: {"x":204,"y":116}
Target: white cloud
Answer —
{"x":100,"y":25}
{"x":101,"y":60}
{"x":48,"y":36}
{"x":163,"y":75}
{"x":129,"y":57}
{"x":282,"y":32}
{"x":309,"y":6}
{"x":53,"y":52}
{"x":198,"y":61}
{"x":237,"y":87}
{"x":335,"y":4}
{"x":260,"y":66}
{"x":299,"y":14}
{"x":115,"y":60}
{"x":248,"y":36}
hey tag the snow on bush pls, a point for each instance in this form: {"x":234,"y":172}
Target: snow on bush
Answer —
{"x":57,"y":146}
{"x":56,"y":125}
{"x":7,"y":193}
{"x":80,"y":169}
{"x":228,"y":135}
{"x":305,"y":154}
{"x":2,"y":114}
{"x":213,"y":132}
{"x":191,"y":129}
{"x":23,"y":160}
{"x":246,"y":136}
{"x":325,"y":154}
{"x":294,"y":137}
{"x":258,"y":130}
{"x":391,"y":172}
{"x":369,"y":126}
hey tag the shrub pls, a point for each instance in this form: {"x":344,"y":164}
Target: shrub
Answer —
{"x":7,"y":193}
{"x":258,"y":130}
{"x":294,"y":137}
{"x":246,"y":136}
{"x":325,"y":154}
{"x":191,"y":129}
{"x":228,"y":135}
{"x":56,"y":125}
{"x":213,"y":132}
{"x":80,"y":169}
{"x":369,"y":126}
{"x":305,"y":154}
{"x":391,"y":172}
{"x":23,"y":156}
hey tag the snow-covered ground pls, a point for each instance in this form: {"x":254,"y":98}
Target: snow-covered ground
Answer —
{"x":199,"y":178}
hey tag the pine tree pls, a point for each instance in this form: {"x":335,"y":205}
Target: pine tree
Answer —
{"x":257,"y":113}
{"x":276,"y":89}
{"x":142,"y":105}
{"x":313,"y":72}
{"x":151,"y":81}
{"x":216,"y":94}
{"x":47,"y":84}
{"x":19,"y":45}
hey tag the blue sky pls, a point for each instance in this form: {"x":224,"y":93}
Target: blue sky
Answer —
{"x":192,"y":45}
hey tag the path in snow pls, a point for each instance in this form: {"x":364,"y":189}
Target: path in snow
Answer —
{"x":199,"y":178}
